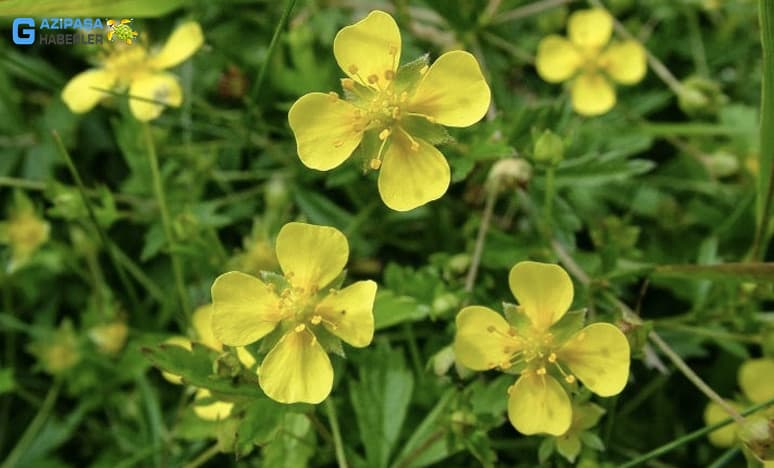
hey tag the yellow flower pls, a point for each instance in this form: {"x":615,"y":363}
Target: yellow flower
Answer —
{"x":588,"y":58}
{"x":597,"y":355}
{"x":756,"y":378}
{"x":201,"y":322}
{"x":24,"y":231}
{"x":109,"y":337}
{"x":133,"y":67}
{"x":213,"y":410}
{"x":58,"y":352}
{"x":297,"y":369}
{"x":385,"y":110}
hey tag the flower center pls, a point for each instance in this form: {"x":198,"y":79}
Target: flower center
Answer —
{"x":533,"y":349}
{"x":126,"y":61}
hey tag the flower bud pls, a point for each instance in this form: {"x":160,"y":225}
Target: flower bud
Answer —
{"x":721,"y":163}
{"x":700,"y":97}
{"x":510,"y":173}
{"x":549,"y":148}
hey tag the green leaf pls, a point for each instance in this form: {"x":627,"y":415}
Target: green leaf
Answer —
{"x":428,"y":444}
{"x":261,"y":422}
{"x":7,"y":382}
{"x":765,"y":188}
{"x":380,"y":398}
{"x":195,"y":368}
{"x":390,"y":310}
{"x":735,"y":272}
{"x":95,"y":8}
{"x":294,"y":446}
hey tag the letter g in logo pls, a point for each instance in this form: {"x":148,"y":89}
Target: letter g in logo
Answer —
{"x":24,"y":35}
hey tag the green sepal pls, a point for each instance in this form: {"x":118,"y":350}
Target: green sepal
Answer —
{"x":568,"y":446}
{"x":516,"y":317}
{"x":546,"y":449}
{"x":359,"y":95}
{"x":420,"y":127}
{"x":335,"y":283}
{"x":410,"y":73}
{"x":568,"y":325}
{"x":269,"y":341}
{"x":367,"y":150}
{"x":592,"y":440}
{"x":278,"y":281}
{"x":330,"y":342}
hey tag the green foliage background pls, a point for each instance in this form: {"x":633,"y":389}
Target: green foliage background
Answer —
{"x":667,"y":178}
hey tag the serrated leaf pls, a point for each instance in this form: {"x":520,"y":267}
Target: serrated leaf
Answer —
{"x":380,"y":398}
{"x":390,"y":310}
{"x":195,"y":368}
{"x":294,"y":445}
{"x":261,"y":422}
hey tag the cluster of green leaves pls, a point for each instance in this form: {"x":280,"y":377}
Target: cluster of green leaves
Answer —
{"x":644,"y":200}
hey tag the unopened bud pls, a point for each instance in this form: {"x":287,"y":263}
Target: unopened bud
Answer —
{"x":549,"y":148}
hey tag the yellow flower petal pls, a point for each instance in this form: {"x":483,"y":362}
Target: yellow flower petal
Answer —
{"x":592,"y":94}
{"x":297,"y":370}
{"x":311,"y":256}
{"x":483,"y":340}
{"x":599,"y":356}
{"x":349,"y":313}
{"x":544,"y":291}
{"x":453,"y":92}
{"x":245,"y":357}
{"x":244,"y":308}
{"x":625,"y":62}
{"x":725,"y":436}
{"x":557,"y":59}
{"x":86,"y":89}
{"x":149,"y":93}
{"x":369,"y":48}
{"x":202,"y":325}
{"x":182,"y":342}
{"x":590,"y":29}
{"x":410,"y":178}
{"x":183,"y":43}
{"x":538,"y":404}
{"x":324,"y":127}
{"x":756,"y":377}
{"x":214,"y":411}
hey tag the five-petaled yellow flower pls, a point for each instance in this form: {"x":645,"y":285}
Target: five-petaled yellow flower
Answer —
{"x":756,"y":379}
{"x":297,"y":369}
{"x":588,"y":57}
{"x":133,"y":67}
{"x":598,"y":355}
{"x":385,"y":109}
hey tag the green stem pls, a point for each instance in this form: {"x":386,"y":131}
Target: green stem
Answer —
{"x":694,"y":378}
{"x":128,"y":287}
{"x":766,"y":158}
{"x":549,"y":196}
{"x":256,"y":91}
{"x":692,"y":436}
{"x":721,"y":335}
{"x":726,"y":458}
{"x":478,"y":249}
{"x":158,"y":189}
{"x":338,"y":444}
{"x":34,"y":427}
{"x":528,"y":10}
{"x":204,"y":457}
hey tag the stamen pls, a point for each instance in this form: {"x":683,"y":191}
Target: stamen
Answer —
{"x":375,"y":164}
{"x":348,"y":84}
{"x":569,"y":378}
{"x":373,"y":79}
{"x":552,"y":358}
{"x":334,"y":97}
{"x":403,"y":97}
{"x":316,"y":319}
{"x":353,"y":69}
{"x":384,"y":134}
{"x":389,"y":75}
{"x":505,"y":365}
{"x":541,"y":371}
{"x":424,"y":70}
{"x":300,"y":327}
{"x":414,"y":144}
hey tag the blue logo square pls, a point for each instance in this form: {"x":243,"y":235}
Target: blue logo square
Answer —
{"x":24,"y":35}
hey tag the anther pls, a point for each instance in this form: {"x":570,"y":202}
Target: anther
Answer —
{"x":300,"y":327}
{"x":403,"y":96}
{"x":384,"y":134}
{"x":348,"y":84}
{"x":414,"y":146}
{"x":569,"y":378}
{"x":552,"y":358}
{"x":316,"y":319}
{"x":373,"y":79}
{"x":541,"y":371}
{"x":505,"y":365}
{"x":374,"y":164}
{"x":334,"y":97}
{"x":423,"y":70}
{"x":395,"y":112}
{"x":389,"y":75}
{"x":352,"y":69}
